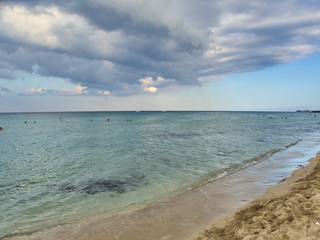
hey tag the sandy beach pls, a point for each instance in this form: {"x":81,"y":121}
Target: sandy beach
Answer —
{"x":290,"y":210}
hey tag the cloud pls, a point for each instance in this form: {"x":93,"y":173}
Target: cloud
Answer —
{"x":106,"y":93}
{"x":5,"y":74}
{"x":63,"y":92}
{"x":160,"y":81}
{"x":28,"y":26}
{"x":3,"y":89}
{"x":115,"y":44}
{"x":146,"y":81}
{"x":77,"y":90}
{"x":254,"y":39}
{"x":34,"y":91}
{"x":6,"y":71}
{"x":150,"y":89}
{"x":148,"y":84}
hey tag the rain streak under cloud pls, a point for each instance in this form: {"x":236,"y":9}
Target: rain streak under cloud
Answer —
{"x":144,"y":46}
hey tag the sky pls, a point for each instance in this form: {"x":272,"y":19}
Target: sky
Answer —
{"x":128,"y":55}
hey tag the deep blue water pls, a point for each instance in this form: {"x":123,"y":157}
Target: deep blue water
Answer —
{"x":54,"y":171}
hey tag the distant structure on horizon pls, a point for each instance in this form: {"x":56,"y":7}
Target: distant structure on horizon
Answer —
{"x":308,"y":111}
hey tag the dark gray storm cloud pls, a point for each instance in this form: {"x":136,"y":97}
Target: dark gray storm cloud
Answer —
{"x":7,"y":74}
{"x":111,"y":45}
{"x":3,"y":89}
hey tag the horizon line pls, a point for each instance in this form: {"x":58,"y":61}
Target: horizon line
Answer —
{"x":137,"y":111}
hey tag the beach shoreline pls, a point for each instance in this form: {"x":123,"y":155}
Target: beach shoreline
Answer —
{"x":187,"y":215}
{"x":289,"y":210}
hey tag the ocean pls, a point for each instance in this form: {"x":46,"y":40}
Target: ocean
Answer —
{"x":59,"y":167}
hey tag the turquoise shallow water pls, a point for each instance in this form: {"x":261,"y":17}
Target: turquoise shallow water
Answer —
{"x":54,"y":171}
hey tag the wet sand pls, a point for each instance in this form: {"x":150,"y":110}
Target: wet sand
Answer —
{"x":186,"y":215}
{"x":290,"y":210}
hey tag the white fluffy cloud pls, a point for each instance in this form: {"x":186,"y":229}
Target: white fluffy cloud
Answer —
{"x":19,"y":23}
{"x":54,"y":29}
{"x":34,"y":91}
{"x":147,"y":81}
{"x":150,"y":89}
{"x":104,"y":92}
{"x":148,"y":84}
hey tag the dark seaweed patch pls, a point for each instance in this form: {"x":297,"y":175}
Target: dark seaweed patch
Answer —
{"x":95,"y":187}
{"x":68,"y":188}
{"x":185,"y":135}
{"x":106,"y":185}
